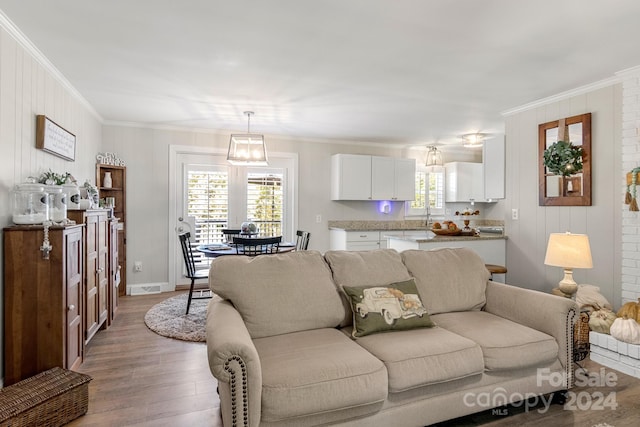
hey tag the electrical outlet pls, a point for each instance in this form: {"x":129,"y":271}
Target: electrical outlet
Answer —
{"x":447,"y":211}
{"x":318,"y":219}
{"x":514,"y":214}
{"x":137,"y":266}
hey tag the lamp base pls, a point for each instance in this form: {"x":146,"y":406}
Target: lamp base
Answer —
{"x":567,"y":285}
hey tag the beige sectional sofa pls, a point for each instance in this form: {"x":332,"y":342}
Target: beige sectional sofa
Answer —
{"x":280,"y":338}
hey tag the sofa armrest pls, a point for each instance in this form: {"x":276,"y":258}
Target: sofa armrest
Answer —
{"x":234,"y":362}
{"x":546,"y":313}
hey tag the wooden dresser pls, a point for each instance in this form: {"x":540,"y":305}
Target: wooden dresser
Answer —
{"x":96,"y":267}
{"x":43,"y":300}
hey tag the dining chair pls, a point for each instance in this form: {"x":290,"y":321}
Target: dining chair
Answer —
{"x":192,"y":272}
{"x":257,"y":245}
{"x":302,"y":240}
{"x":230,"y":233}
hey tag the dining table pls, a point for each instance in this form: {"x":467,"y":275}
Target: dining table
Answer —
{"x":213,"y":250}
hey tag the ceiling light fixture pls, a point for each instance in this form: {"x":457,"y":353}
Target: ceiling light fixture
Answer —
{"x":434,"y":158}
{"x":473,"y":140}
{"x":247,"y":149}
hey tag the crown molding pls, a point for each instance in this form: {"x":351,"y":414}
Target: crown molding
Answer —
{"x":565,"y":95}
{"x":30,"y":48}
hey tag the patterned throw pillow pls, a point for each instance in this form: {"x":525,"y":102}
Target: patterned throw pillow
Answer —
{"x":394,"y":307}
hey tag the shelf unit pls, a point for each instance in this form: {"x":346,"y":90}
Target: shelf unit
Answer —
{"x":118,"y":191}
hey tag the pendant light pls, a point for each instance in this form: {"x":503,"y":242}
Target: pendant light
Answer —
{"x":247,"y":149}
{"x":434,"y":158}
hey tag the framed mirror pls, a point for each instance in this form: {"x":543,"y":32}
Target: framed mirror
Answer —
{"x":564,"y":162}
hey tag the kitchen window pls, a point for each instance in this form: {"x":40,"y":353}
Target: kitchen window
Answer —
{"x":429,"y":197}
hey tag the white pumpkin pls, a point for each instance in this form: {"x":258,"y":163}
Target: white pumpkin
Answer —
{"x":601,"y":320}
{"x":626,"y":330}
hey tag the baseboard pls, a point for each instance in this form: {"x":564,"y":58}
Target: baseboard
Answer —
{"x":147,"y":288}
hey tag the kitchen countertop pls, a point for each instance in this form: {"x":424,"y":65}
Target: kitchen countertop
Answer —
{"x":425,"y":239}
{"x":406,"y":225}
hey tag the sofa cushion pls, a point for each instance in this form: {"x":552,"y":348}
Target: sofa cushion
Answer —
{"x":395,"y":307}
{"x":505,"y":344}
{"x":365,"y":268}
{"x":420,"y":357}
{"x":278,"y":294}
{"x":448,"y":279}
{"x":317,"y":371}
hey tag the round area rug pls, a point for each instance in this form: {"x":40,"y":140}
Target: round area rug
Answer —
{"x":168,"y":318}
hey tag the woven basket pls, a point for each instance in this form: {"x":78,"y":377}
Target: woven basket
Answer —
{"x":581,"y":337}
{"x":50,"y":398}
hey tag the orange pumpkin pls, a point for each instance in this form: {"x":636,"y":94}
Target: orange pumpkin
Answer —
{"x":630,"y":310}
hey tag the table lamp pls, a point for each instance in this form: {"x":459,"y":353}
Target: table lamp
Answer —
{"x":568,"y":251}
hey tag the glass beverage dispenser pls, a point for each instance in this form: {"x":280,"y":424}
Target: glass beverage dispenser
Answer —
{"x":30,"y":204}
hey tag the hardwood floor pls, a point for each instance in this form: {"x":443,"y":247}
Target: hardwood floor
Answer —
{"x":143,"y":379}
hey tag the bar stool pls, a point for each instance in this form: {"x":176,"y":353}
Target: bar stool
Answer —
{"x":495,"y":269}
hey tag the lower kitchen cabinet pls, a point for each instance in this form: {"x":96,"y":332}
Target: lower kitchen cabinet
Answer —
{"x":43,"y":300}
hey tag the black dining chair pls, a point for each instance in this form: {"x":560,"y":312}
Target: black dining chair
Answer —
{"x":257,"y":245}
{"x":302,"y":240}
{"x":192,"y":272}
{"x":230,"y":233}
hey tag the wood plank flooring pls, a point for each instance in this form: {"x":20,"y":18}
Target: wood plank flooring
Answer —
{"x":143,"y":379}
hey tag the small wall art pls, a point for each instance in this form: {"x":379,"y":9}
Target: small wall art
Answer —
{"x":54,"y":139}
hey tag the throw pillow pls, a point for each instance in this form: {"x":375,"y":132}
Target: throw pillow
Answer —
{"x":394,"y":307}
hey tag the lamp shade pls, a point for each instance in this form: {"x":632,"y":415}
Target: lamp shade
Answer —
{"x":568,"y":251}
{"x":247,"y":149}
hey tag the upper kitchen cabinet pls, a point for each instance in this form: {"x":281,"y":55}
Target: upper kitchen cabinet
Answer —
{"x":464,"y":182}
{"x":362,"y":177}
{"x":393,"y":179}
{"x":478,"y":182}
{"x":493,"y":160}
{"x":350,"y":177}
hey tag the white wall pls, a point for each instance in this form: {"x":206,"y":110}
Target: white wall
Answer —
{"x":526,"y":245}
{"x":29,"y":88}
{"x":146,"y":152}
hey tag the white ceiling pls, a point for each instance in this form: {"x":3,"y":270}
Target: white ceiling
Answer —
{"x":410,"y":72}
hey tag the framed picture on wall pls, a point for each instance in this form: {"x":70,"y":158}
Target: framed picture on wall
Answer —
{"x":54,"y":139}
{"x":564,"y":162}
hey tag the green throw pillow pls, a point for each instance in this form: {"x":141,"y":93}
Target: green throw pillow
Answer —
{"x":394,"y":307}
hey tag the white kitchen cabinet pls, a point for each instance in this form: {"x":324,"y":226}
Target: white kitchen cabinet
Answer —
{"x":464,"y":182}
{"x":392,"y":179}
{"x":342,"y":240}
{"x":493,"y":160}
{"x":362,"y":177}
{"x":367,"y":240}
{"x":350,"y":177}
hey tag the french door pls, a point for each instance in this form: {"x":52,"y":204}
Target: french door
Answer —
{"x":211,"y":195}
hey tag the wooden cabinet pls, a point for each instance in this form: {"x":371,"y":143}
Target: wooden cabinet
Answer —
{"x":464,"y":182}
{"x":362,"y":177}
{"x":43,"y":301}
{"x":96,"y":267}
{"x":117,"y":190}
{"x":114,"y":269}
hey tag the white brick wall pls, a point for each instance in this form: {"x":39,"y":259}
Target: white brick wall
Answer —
{"x":615,"y":354}
{"x":630,"y":159}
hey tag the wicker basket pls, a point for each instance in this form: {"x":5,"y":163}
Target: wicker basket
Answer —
{"x":581,"y":337}
{"x":50,"y":398}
